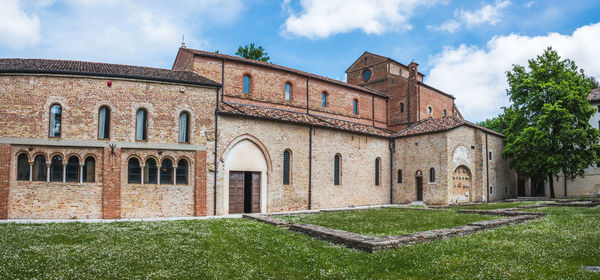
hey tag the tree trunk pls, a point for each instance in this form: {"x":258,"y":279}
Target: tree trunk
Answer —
{"x":551,"y":186}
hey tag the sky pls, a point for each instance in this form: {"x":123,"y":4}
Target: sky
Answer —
{"x":463,"y":47}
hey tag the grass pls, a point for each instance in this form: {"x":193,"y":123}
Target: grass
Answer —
{"x":554,"y":247}
{"x":387,"y":221}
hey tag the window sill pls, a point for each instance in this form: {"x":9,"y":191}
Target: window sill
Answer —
{"x":432,"y":183}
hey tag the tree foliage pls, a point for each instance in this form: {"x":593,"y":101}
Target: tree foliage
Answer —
{"x":548,"y":130}
{"x":252,"y":52}
{"x":498,"y":124}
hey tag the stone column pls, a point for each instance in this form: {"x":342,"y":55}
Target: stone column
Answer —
{"x":173,"y":173}
{"x":48,"y":171}
{"x":142,"y":173}
{"x":81,"y":172}
{"x":64,"y":171}
{"x":30,"y":171}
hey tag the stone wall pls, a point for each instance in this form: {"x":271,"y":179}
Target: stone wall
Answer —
{"x":358,"y":160}
{"x":421,"y":153}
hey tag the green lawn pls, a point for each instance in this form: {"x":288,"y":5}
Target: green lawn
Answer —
{"x":550,"y":248}
{"x":387,"y":221}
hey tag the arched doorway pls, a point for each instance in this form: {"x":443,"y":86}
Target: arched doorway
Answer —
{"x":462,"y":184}
{"x":419,"y":185}
{"x":245,"y":176}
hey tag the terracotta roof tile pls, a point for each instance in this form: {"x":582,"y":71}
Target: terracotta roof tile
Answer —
{"x":283,"y":68}
{"x":69,"y":67}
{"x":594,"y":95}
{"x":431,"y":125}
{"x":260,"y":112}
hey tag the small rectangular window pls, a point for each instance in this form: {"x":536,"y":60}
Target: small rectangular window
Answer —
{"x":491,"y":156}
{"x":598,"y":109}
{"x":491,"y":190}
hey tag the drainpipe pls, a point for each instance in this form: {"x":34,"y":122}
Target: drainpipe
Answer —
{"x":487,"y":169}
{"x":215,"y":155}
{"x":310,"y":168}
{"x":392,"y":148}
{"x":565,"y":185}
{"x":222,"y":88}
{"x":307,"y":100}
{"x":419,"y":100}
{"x":373,"y":108}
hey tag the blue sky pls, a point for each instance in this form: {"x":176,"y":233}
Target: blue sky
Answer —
{"x":464,"y":47}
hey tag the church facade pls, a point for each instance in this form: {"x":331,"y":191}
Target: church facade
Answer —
{"x":220,"y":134}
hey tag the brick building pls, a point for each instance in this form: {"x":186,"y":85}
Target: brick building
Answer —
{"x":220,"y":134}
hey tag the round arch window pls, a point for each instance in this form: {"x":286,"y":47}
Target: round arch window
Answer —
{"x":366,"y":75}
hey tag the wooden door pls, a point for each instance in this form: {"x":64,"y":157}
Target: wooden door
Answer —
{"x":236,"y":192}
{"x":419,"y":188}
{"x":255,"y":192}
{"x":521,"y":187}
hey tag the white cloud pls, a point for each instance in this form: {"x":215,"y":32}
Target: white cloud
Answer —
{"x":124,"y":31}
{"x":449,"y":26}
{"x":17,"y":28}
{"x":477,"y":76}
{"x":320,"y":19}
{"x":490,"y":14}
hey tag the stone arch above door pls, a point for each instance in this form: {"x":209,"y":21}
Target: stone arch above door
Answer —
{"x":245,"y":154}
{"x":462,"y":184}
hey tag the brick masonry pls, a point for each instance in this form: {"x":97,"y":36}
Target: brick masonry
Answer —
{"x":4,"y":179}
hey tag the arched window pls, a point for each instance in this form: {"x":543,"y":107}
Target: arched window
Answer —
{"x":166,"y":172}
{"x":444,"y":112}
{"x":429,"y":109}
{"x":399,"y":176}
{"x":288,"y":91}
{"x":324,"y":99}
{"x":134,"y":171}
{"x":401,"y":107}
{"x":432,"y":175}
{"x":377,"y":164}
{"x":39,"y":168}
{"x":184,"y":127}
{"x":286,"y":167}
{"x":337,"y":164}
{"x":104,"y":123}
{"x":181,"y":172}
{"x":55,"y":120}
{"x":355,"y":106}
{"x":72,"y":172}
{"x":56,"y":169}
{"x":247,"y":81}
{"x":23,"y":167}
{"x":89,"y":170}
{"x":150,"y":172}
{"x":141,"y":125}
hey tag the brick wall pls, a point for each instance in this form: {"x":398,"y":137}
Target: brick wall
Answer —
{"x":4,"y":179}
{"x":200,"y":184}
{"x":267,"y":88}
{"x":111,"y":191}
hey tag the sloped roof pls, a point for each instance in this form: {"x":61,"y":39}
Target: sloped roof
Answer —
{"x":431,"y":125}
{"x":283,"y":68}
{"x":594,"y":95}
{"x":260,"y":112}
{"x":84,"y":68}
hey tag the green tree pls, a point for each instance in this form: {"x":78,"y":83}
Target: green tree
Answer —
{"x":499,"y":123}
{"x":252,"y":52}
{"x":548,"y":128}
